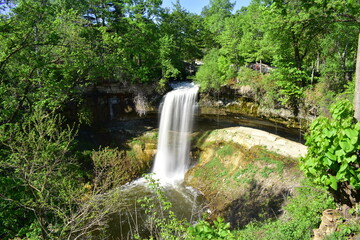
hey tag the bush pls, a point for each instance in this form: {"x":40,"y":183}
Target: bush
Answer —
{"x":204,"y":230}
{"x":333,"y":154}
{"x":114,"y":167}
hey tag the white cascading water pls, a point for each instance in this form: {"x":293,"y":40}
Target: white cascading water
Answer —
{"x":176,"y":122}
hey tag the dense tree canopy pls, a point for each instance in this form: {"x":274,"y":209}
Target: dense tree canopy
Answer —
{"x":304,"y":41}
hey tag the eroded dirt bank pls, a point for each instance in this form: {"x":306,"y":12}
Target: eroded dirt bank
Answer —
{"x":244,"y":173}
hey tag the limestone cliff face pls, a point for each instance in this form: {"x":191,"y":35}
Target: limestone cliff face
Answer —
{"x":234,"y":99}
{"x":245,"y":174}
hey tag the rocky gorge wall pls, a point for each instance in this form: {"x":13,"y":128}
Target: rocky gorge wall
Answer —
{"x":232,"y":99}
{"x":112,"y":101}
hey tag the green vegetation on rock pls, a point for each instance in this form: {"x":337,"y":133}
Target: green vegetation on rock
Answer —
{"x":241,"y":184}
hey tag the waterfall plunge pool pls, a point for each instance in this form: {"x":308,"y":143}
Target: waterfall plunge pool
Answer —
{"x":131,"y":218}
{"x":173,"y":145}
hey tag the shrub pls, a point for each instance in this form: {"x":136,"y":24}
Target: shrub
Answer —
{"x":333,"y":154}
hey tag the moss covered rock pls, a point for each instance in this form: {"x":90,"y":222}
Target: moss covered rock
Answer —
{"x":242,"y":175}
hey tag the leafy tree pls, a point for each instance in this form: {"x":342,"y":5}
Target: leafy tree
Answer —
{"x":292,"y":32}
{"x":341,"y":12}
{"x":256,"y":44}
{"x":39,"y":179}
{"x":124,"y":38}
{"x":339,"y":47}
{"x":338,"y":167}
{"x":214,"y":16}
{"x":230,"y":38}
{"x":167,"y":47}
{"x":215,"y":72}
{"x":288,"y":80}
{"x":208,"y":75}
{"x":186,"y":30}
{"x":42,"y":59}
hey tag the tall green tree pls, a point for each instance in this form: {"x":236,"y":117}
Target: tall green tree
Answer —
{"x":39,"y":181}
{"x":339,"y":47}
{"x":186,"y":30}
{"x":215,"y":71}
{"x":334,"y":144}
{"x":214,"y":16}
{"x":43,"y":61}
{"x":255,"y":44}
{"x":41,"y":58}
{"x":230,"y":38}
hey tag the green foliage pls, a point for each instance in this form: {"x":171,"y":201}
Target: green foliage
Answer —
{"x":340,"y":48}
{"x":163,"y":224}
{"x":332,"y":156}
{"x":215,"y":72}
{"x":345,"y":230}
{"x":262,"y":87}
{"x":204,"y":230}
{"x":167,"y":47}
{"x":301,"y":216}
{"x":230,"y":38}
{"x":349,"y":227}
{"x":50,"y":50}
{"x":215,"y":14}
{"x":290,"y":81}
{"x":186,"y":30}
{"x":39,"y":179}
{"x":255,"y":43}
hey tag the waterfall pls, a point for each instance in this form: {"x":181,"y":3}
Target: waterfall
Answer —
{"x":176,"y":122}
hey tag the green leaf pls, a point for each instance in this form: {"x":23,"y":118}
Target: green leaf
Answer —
{"x":312,"y":171}
{"x":351,"y":159}
{"x":351,"y":133}
{"x":329,"y":133}
{"x":343,"y":167}
{"x":346,"y":146}
{"x":330,"y":156}
{"x":333,"y":182}
{"x":340,"y":153}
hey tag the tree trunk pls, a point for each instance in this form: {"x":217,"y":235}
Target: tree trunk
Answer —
{"x":357,"y":85}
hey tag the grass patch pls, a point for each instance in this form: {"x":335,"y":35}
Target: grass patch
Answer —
{"x":274,"y":162}
{"x":245,"y":175}
{"x":220,"y":169}
{"x":226,"y":150}
{"x":266,"y":172}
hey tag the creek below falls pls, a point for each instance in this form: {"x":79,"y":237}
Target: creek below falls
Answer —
{"x":186,"y":202}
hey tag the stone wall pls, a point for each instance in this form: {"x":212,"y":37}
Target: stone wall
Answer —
{"x":241,"y":100}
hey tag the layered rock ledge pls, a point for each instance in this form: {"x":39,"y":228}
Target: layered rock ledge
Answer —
{"x":251,"y":137}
